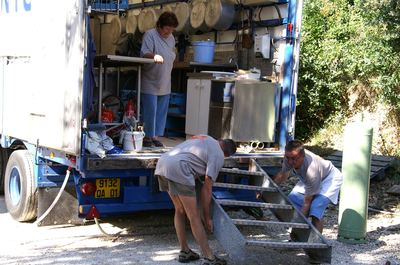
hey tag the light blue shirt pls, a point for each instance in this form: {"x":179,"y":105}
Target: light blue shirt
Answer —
{"x":156,"y":78}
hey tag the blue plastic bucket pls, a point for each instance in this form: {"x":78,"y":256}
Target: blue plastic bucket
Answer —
{"x":203,"y":51}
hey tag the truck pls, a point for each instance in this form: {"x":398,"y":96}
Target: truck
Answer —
{"x":59,"y":63}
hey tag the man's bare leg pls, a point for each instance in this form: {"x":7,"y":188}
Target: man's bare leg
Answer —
{"x":179,"y":222}
{"x":192,"y":212}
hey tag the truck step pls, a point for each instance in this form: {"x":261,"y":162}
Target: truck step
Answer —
{"x":279,"y":244}
{"x":246,"y":222}
{"x":243,"y":187}
{"x":240,"y":172}
{"x":254,"y":204}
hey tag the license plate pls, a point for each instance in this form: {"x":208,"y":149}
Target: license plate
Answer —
{"x":107,"y":188}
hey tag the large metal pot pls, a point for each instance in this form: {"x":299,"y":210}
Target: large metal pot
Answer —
{"x":219,"y":14}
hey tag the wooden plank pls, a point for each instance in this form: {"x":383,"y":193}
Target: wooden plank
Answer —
{"x":395,"y":190}
{"x":374,"y":157}
{"x":373,"y":162}
{"x":378,"y":163}
{"x":338,"y":165}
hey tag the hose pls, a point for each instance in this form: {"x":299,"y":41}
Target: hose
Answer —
{"x":101,"y":229}
{"x":37,"y":222}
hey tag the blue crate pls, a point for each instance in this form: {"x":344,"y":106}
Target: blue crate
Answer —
{"x":178,"y":99}
{"x":174,"y":127}
{"x":109,"y":5}
{"x":177,"y":103}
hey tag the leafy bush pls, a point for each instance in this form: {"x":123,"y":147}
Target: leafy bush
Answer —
{"x":346,"y":46}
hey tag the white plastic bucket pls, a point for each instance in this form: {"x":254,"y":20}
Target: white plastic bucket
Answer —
{"x":203,"y":51}
{"x":132,"y":141}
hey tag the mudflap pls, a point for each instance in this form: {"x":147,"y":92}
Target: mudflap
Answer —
{"x":64,"y":212}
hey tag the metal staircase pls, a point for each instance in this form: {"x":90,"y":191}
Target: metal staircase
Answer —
{"x":231,"y":231}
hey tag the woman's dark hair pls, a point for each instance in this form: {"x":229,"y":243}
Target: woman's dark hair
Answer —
{"x":167,"y":19}
{"x":295,"y":145}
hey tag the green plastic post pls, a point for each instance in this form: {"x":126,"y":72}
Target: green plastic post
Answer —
{"x":356,"y":166}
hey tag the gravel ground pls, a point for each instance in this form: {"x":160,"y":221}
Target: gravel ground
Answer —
{"x":149,"y":238}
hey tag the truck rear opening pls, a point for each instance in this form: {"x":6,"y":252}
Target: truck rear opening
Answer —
{"x":70,"y":83}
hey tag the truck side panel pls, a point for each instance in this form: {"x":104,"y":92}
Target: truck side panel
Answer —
{"x":43,"y":78}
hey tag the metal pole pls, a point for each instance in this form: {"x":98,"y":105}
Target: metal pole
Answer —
{"x":138,"y":91}
{"x":100,"y":89}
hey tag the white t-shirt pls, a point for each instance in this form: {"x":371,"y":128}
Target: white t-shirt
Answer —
{"x":316,"y":176}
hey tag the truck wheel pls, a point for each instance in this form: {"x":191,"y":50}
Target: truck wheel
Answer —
{"x":20,"y":191}
{"x":4,"y":155}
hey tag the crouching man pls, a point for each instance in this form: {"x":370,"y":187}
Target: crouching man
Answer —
{"x":319,"y":181}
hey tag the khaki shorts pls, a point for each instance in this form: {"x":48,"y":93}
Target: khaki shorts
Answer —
{"x":175,"y":188}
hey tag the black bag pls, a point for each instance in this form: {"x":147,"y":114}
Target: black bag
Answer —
{"x":128,"y":45}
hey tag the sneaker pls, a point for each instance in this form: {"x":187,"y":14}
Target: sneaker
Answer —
{"x":148,"y":143}
{"x":215,"y":261}
{"x":185,"y":257}
{"x":158,"y":143}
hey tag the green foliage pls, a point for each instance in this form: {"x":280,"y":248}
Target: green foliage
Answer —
{"x":346,"y":44}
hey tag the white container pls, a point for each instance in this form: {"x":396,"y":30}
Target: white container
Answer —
{"x":132,"y":141}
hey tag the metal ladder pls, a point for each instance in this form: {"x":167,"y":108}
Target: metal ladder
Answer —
{"x":229,"y":230}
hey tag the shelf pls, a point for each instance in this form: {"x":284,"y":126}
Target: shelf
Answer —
{"x":176,"y":115}
{"x":120,"y":61}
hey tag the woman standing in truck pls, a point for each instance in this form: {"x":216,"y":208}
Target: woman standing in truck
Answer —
{"x":158,"y":44}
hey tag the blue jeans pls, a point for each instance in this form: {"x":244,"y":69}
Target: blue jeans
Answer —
{"x":154,"y":114}
{"x":318,"y":204}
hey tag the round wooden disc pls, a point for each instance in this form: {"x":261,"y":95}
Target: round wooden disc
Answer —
{"x":131,"y":23}
{"x":213,"y":12}
{"x":149,"y":19}
{"x":169,"y":8}
{"x":197,"y":15}
{"x":141,"y":20}
{"x":115,"y":29}
{"x":182,"y":12}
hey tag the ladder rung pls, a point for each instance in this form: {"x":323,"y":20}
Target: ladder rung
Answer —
{"x":242,"y":187}
{"x":254,"y":204}
{"x":269,"y":223}
{"x":278,"y":244}
{"x":241,"y":172}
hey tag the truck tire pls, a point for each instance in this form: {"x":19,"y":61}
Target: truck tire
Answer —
{"x":4,"y":155}
{"x":20,"y":192}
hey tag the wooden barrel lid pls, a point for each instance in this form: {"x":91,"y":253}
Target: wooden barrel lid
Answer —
{"x":131,"y":22}
{"x":213,"y":12}
{"x":106,"y":44}
{"x":117,"y":27}
{"x":169,"y":8}
{"x":148,"y":19}
{"x":219,"y":14}
{"x":197,"y":15}
{"x":182,"y":12}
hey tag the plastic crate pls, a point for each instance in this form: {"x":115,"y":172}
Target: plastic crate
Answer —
{"x":109,"y":5}
{"x":177,"y":103}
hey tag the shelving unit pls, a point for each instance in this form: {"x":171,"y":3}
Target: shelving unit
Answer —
{"x":104,"y":61}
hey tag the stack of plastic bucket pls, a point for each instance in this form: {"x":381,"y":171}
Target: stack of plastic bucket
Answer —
{"x":203,"y":51}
